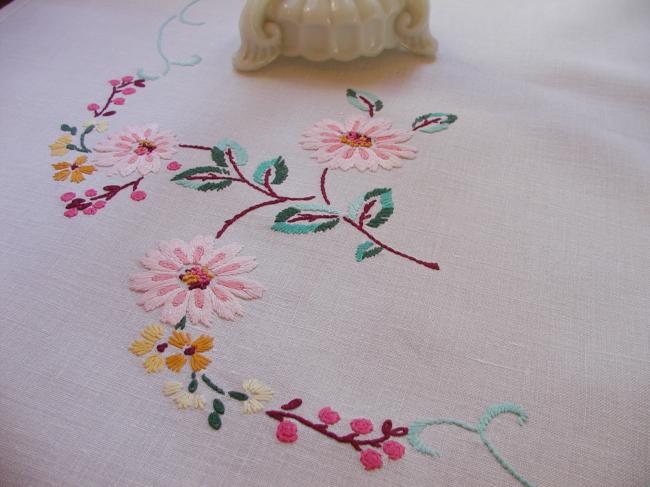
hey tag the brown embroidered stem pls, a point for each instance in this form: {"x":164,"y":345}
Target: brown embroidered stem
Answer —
{"x":371,"y":107}
{"x":351,"y":438}
{"x":243,"y":178}
{"x":323,"y":183}
{"x":197,"y":147}
{"x":427,"y":123}
{"x":267,"y":183}
{"x":376,"y":241}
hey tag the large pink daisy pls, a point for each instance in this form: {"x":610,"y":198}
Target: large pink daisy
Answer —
{"x":363,"y":143}
{"x":195,"y":279}
{"x":135,"y":148}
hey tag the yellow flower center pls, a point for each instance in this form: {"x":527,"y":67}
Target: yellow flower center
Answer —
{"x":145,"y":147}
{"x":355,"y":139}
{"x":197,"y":277}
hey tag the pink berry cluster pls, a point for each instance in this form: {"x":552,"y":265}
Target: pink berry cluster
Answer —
{"x":370,"y":457}
{"x":93,"y":202}
{"x":121,"y":87}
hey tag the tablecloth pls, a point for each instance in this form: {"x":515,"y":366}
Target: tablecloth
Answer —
{"x":426,"y":272}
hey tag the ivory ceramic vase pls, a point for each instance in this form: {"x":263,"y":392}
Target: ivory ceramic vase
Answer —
{"x":320,"y":30}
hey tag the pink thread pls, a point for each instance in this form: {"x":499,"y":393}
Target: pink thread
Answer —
{"x":393,"y":449}
{"x":91,"y":210}
{"x":128,"y":91}
{"x":99,"y":204}
{"x":91,"y":192}
{"x":287,"y":432}
{"x":362,"y":426}
{"x":371,"y":460}
{"x":114,"y":82}
{"x":138,"y":195}
{"x":65,"y":197}
{"x":71,"y":213}
{"x":127,"y":79}
{"x":328,"y":416}
{"x":119,"y":101}
{"x":174,"y":166}
{"x":93,"y":107}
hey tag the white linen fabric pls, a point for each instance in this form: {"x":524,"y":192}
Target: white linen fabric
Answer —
{"x":536,"y":204}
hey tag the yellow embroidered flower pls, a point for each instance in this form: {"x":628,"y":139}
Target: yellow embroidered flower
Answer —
{"x":60,"y":146}
{"x":183,"y":399}
{"x":151,"y":335}
{"x":257,"y":393}
{"x":75,"y":171}
{"x":183,"y":341}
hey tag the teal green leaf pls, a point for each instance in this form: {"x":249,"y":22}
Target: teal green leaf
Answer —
{"x":364,"y":101}
{"x":301,"y":219}
{"x":218,"y":406}
{"x":238,"y":152}
{"x":278,"y":168}
{"x":193,"y":386}
{"x":181,"y":324}
{"x":202,"y":178}
{"x":367,"y":250}
{"x":433,"y":122}
{"x":238,"y":396}
{"x":214,"y":420}
{"x":67,"y":128}
{"x":374,"y":208}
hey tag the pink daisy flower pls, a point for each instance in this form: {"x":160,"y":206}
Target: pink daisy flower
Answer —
{"x":363,"y":143}
{"x":135,"y":148}
{"x":195,"y":279}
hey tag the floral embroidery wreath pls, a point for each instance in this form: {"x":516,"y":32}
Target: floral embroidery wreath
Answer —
{"x":197,"y":282}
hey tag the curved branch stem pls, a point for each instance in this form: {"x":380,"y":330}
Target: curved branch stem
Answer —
{"x":376,"y":241}
{"x":323,"y":184}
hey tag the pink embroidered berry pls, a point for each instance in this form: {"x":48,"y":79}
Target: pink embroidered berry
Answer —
{"x":138,"y":195}
{"x":119,"y":101}
{"x":93,"y":107}
{"x":90,"y":193}
{"x":127,"y":79}
{"x":394,"y":450}
{"x":128,"y":91}
{"x":161,"y":347}
{"x":174,"y":166}
{"x":362,"y":426}
{"x":287,"y":432}
{"x":371,"y":460}
{"x":71,"y":213}
{"x":99,"y":204}
{"x":328,"y":416}
{"x":67,"y":196}
{"x":91,"y":210}
{"x":114,"y":82}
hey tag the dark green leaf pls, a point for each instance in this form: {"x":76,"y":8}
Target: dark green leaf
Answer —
{"x":278,"y":168}
{"x":374,"y":208}
{"x":301,"y":219}
{"x":219,"y":157}
{"x":367,"y":250}
{"x":193,"y":386}
{"x":203,"y":178}
{"x":181,"y":324}
{"x":218,"y":406}
{"x":211,"y":384}
{"x":214,"y":420}
{"x":238,"y":396}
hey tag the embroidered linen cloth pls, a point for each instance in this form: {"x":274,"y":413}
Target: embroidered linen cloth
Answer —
{"x":388,"y":272}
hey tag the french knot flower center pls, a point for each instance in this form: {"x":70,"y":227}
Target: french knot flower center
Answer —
{"x":355,"y":139}
{"x":190,"y":351}
{"x":161,"y":347}
{"x":197,"y":277}
{"x":145,"y":147}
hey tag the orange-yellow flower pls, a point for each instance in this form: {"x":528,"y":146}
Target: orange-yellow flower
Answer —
{"x":183,"y":341}
{"x":60,"y":146}
{"x":75,"y":170}
{"x":151,"y":334}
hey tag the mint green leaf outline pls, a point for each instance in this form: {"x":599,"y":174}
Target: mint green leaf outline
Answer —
{"x":385,"y":198}
{"x":240,"y":154}
{"x":449,"y":118}
{"x":416,"y":429}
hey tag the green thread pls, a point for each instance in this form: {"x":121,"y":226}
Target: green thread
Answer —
{"x":364,"y":101}
{"x":193,"y":385}
{"x":218,"y":406}
{"x":428,"y":125}
{"x":367,"y":250}
{"x":181,"y":324}
{"x":194,"y":59}
{"x":212,"y":385}
{"x":214,"y":420}
{"x":238,"y":396}
{"x":302,"y":219}
{"x":280,"y":171}
{"x":239,"y":153}
{"x":416,"y":429}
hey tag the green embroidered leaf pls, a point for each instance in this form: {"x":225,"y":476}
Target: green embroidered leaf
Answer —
{"x":218,"y":406}
{"x":238,"y":396}
{"x":239,"y":154}
{"x":215,"y":421}
{"x":203,"y":178}
{"x":433,"y":122}
{"x":181,"y":324}
{"x":67,"y":128}
{"x":278,"y":171}
{"x":212,"y":385}
{"x":193,"y":386}
{"x":367,"y":250}
{"x":364,"y":101}
{"x":374,"y":208}
{"x":301,"y":219}
{"x":219,"y":159}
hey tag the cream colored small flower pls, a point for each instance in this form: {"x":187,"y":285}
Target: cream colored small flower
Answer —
{"x":60,"y":146}
{"x":257,"y":394}
{"x":183,"y":399}
{"x":100,"y":125}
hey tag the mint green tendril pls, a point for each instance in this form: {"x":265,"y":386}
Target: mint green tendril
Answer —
{"x":192,"y":61}
{"x":416,"y":429}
